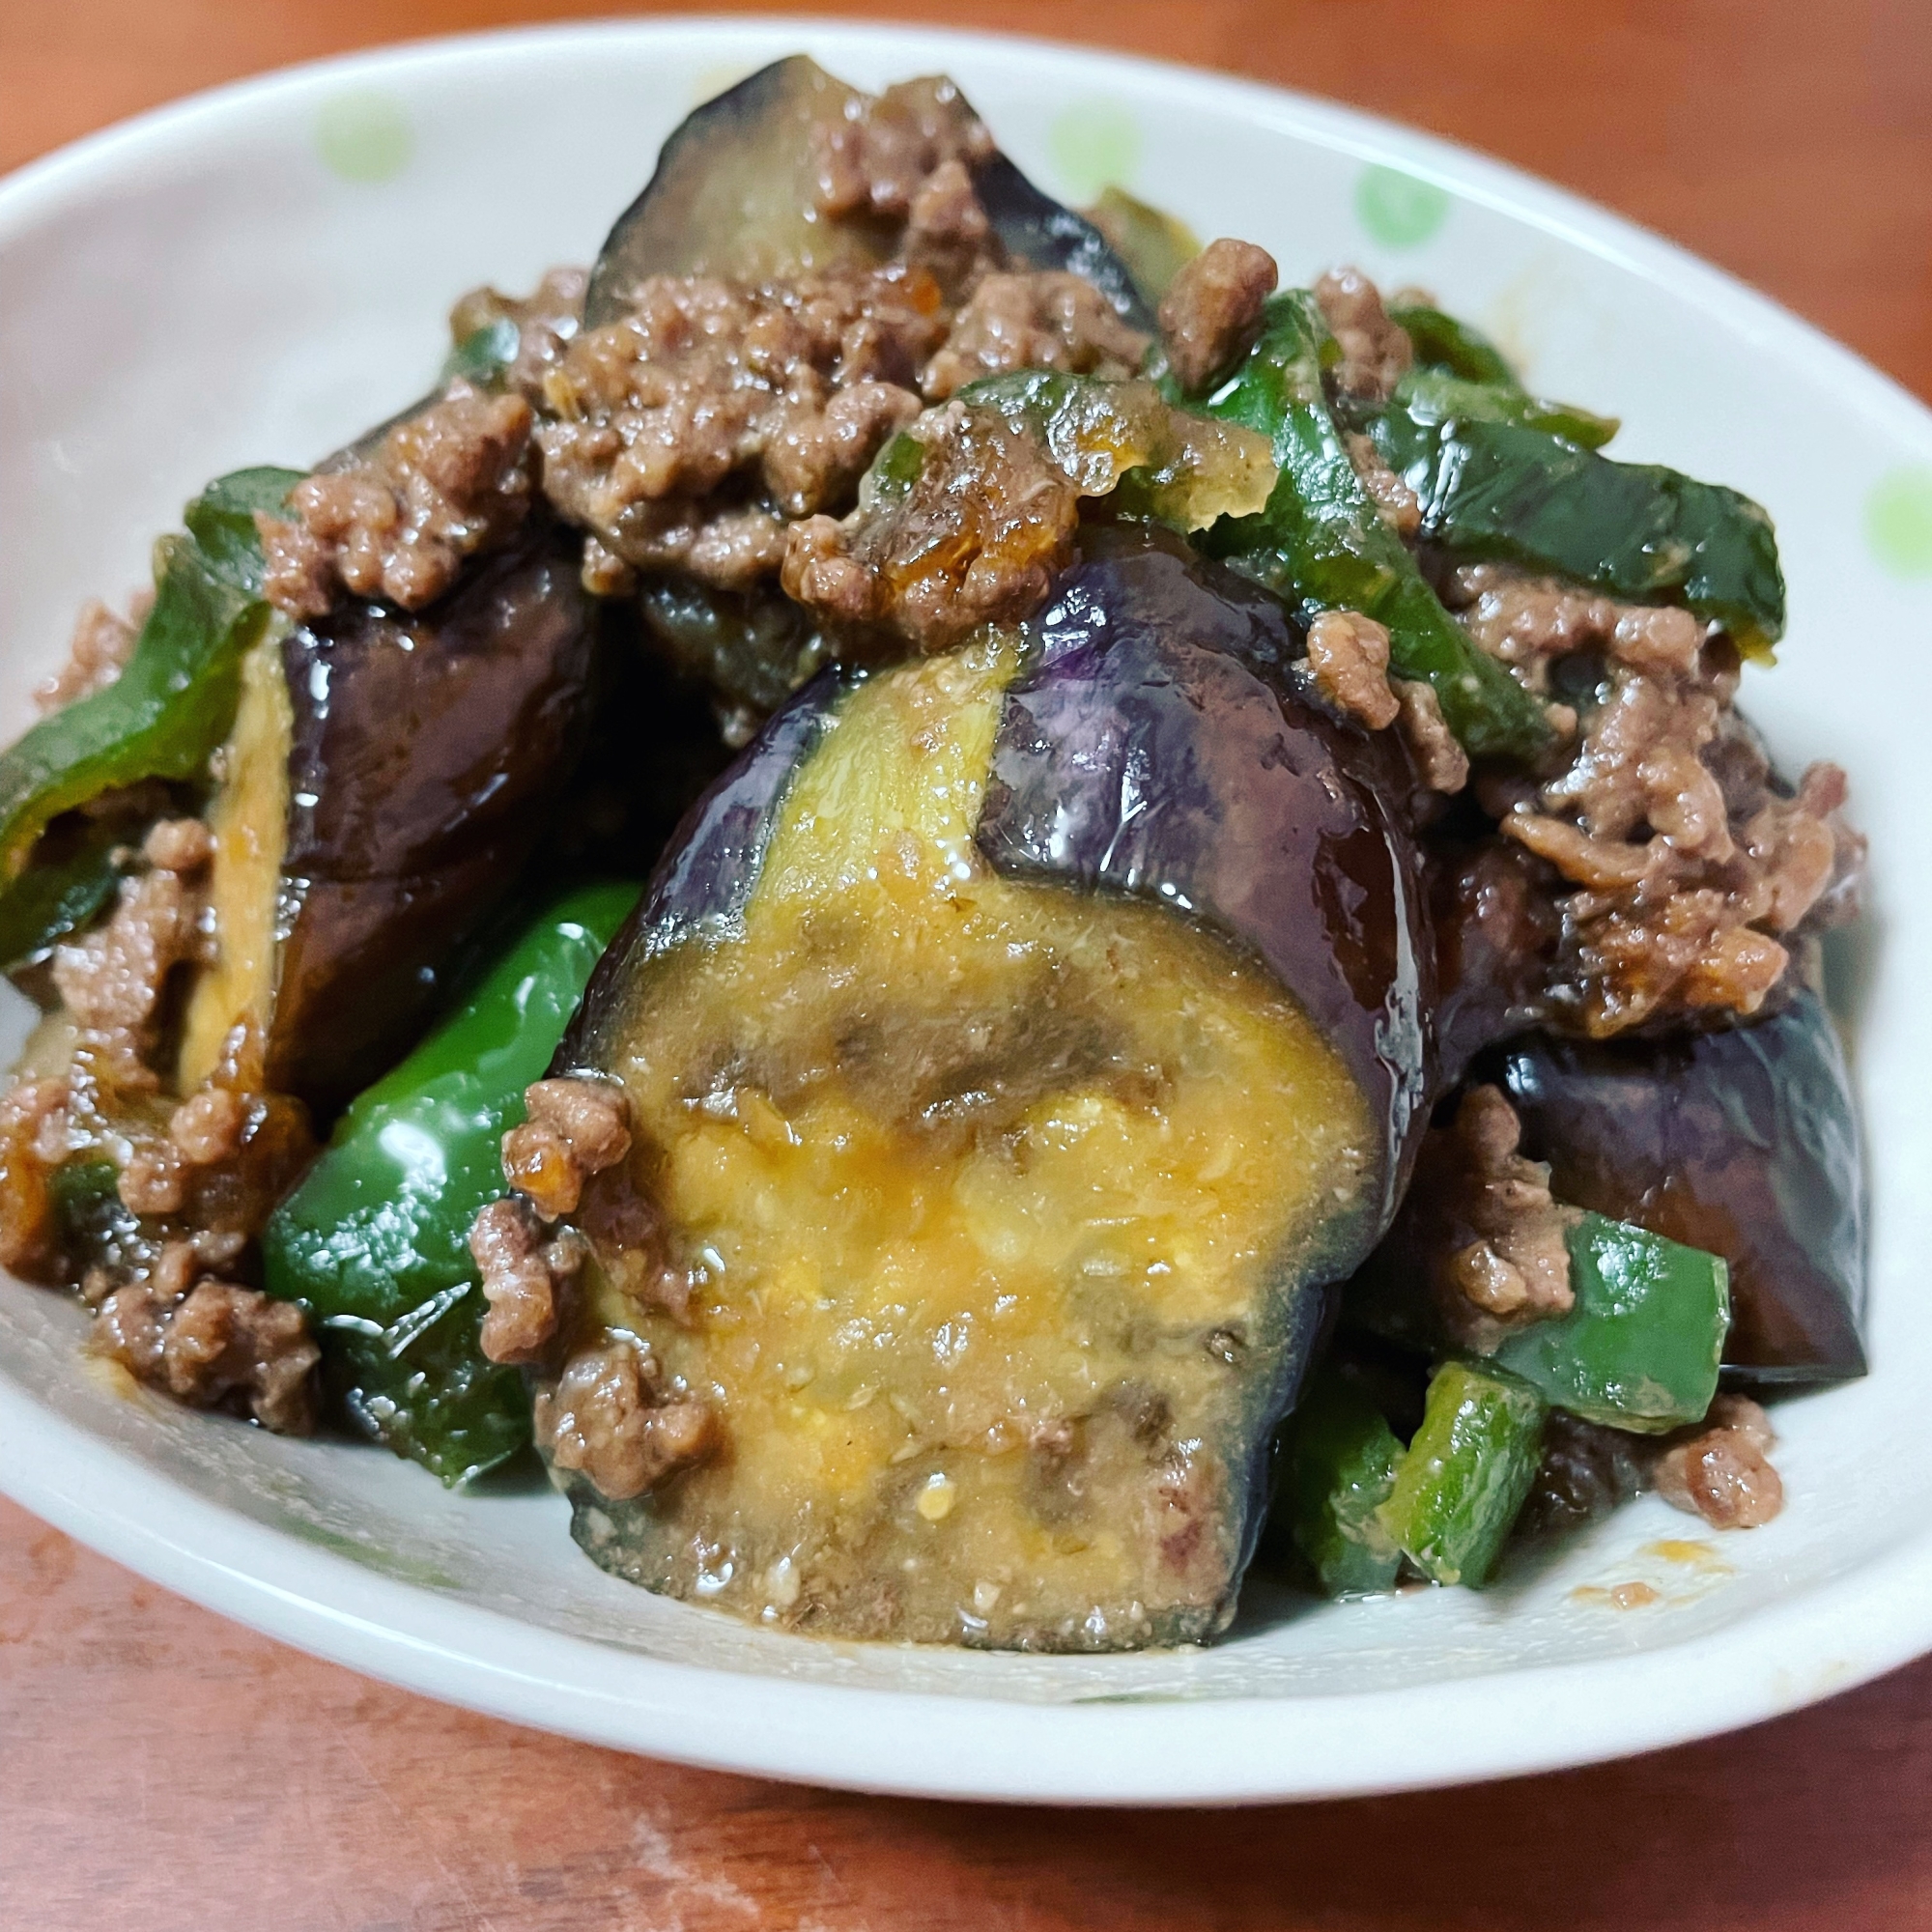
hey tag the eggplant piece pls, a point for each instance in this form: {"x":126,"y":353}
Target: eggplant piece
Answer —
{"x":1017,"y":1046}
{"x":735,"y":193}
{"x":387,"y":779}
{"x":1742,"y":1142}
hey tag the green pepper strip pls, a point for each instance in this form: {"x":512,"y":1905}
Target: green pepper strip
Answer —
{"x":1432,"y":397}
{"x":1320,"y":544}
{"x":169,"y":708}
{"x":1504,"y":490}
{"x":1442,"y":342}
{"x":1641,"y":1348}
{"x":1464,"y":1476}
{"x":374,"y":1242}
{"x":1340,"y":1465}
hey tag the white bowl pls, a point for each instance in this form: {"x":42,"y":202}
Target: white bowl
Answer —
{"x":255,"y":274}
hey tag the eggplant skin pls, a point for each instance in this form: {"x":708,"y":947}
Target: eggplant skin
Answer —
{"x":1156,"y":743}
{"x":428,"y":754}
{"x":1742,"y":1142}
{"x":732,"y":193}
{"x":1148,"y":746}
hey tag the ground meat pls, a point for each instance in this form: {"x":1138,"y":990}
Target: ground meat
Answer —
{"x":112,"y":979}
{"x":35,"y":1138}
{"x":1044,"y":319}
{"x":1348,"y":656}
{"x":975,"y":539}
{"x":1439,"y":761}
{"x":1376,"y":352}
{"x":102,"y":645}
{"x":204,"y":1130}
{"x":789,"y":390}
{"x":1692,"y":869}
{"x":524,"y":1277}
{"x":947,"y":230}
{"x":212,"y":1344}
{"x":1527,"y":622}
{"x":907,"y":155}
{"x":1396,"y":503}
{"x":448,"y":483}
{"x":575,"y":1128}
{"x":611,"y":1416}
{"x":1719,"y":1470}
{"x":1212,"y":310}
{"x":546,"y":321}
{"x":1518,"y":1264}
{"x":208,"y":1126}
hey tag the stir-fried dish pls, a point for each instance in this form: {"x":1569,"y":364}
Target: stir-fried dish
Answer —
{"x":975,"y":909}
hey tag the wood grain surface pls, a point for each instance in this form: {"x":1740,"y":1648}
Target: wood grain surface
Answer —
{"x":164,"y":1770}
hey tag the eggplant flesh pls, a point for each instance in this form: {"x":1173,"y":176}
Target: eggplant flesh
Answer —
{"x":735,"y":193}
{"x":991,"y":1206}
{"x":387,"y":779}
{"x":1744,"y":1143}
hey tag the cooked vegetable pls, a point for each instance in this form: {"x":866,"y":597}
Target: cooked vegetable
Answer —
{"x":1463,"y":1478}
{"x":1155,"y":245}
{"x":170,"y":707}
{"x":736,"y":189}
{"x":1744,"y":1142}
{"x":1506,"y":490}
{"x":1432,"y":396}
{"x":1125,"y":440}
{"x":1340,"y":1461}
{"x":1456,"y":347}
{"x":1639,"y":1350}
{"x":373,"y":1242}
{"x":1320,"y":544}
{"x":387,"y":778}
{"x":984,"y":1193}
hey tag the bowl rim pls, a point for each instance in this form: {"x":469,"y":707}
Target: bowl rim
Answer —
{"x":1217,"y":1751}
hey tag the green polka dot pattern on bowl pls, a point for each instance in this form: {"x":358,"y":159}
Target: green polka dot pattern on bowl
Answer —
{"x":1898,"y":521}
{"x":1398,"y":209}
{"x":364,"y":135}
{"x":1095,"y":144}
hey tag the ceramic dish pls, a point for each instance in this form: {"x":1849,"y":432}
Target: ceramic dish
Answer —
{"x":254,"y":274}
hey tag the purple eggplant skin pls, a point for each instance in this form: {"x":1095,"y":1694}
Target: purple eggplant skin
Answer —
{"x":1157,"y":742}
{"x":1742,"y":1142}
{"x":693,"y":215}
{"x":428,"y":754}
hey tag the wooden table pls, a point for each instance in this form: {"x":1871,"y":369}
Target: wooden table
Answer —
{"x":162,"y":1769}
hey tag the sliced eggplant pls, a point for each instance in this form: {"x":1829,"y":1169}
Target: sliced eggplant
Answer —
{"x":386,"y":780}
{"x":1742,"y":1142}
{"x":736,"y":193}
{"x":1016,"y":1046}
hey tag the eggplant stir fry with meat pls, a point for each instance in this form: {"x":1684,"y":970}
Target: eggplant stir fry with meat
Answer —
{"x":964,"y":905}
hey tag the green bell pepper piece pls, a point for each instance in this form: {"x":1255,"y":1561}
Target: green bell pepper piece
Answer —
{"x":1320,"y":545}
{"x":1442,"y":342}
{"x":1432,"y":396}
{"x":171,"y":706}
{"x":483,"y":355}
{"x":1506,"y":490}
{"x":56,"y":897}
{"x":221,"y":521}
{"x":1341,"y":1462}
{"x":374,"y":1242}
{"x":1641,"y":1348}
{"x":1464,"y":1476}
